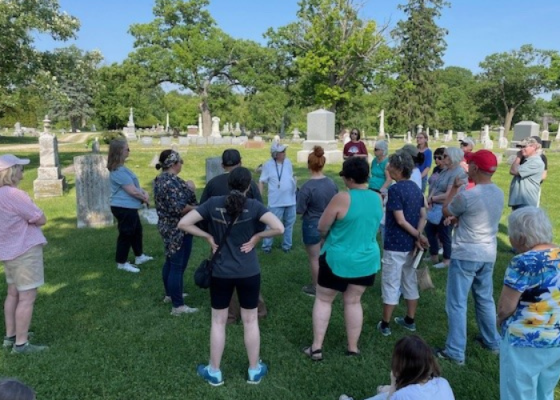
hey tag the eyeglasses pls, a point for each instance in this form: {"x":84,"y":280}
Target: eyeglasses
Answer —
{"x":438,"y":157}
{"x":445,"y":156}
{"x":376,"y":149}
{"x":464,"y":144}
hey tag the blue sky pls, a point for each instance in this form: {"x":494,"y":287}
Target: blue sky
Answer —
{"x":476,"y":28}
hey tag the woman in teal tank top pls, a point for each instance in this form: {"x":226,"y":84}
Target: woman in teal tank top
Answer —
{"x":380,"y":179}
{"x":350,"y":256}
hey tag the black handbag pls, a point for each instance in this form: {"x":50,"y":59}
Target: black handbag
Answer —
{"x":203,"y":274}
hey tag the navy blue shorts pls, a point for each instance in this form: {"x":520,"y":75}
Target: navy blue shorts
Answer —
{"x":309,"y":231}
{"x":329,"y":280}
{"x":248,"y":289}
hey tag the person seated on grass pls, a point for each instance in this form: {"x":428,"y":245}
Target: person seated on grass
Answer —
{"x":12,"y":389}
{"x":415,"y":374}
{"x":236,"y":267}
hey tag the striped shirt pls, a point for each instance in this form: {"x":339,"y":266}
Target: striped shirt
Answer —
{"x":18,"y":232}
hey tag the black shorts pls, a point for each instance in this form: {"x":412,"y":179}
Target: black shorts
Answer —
{"x":248,"y":289}
{"x":331,"y":281}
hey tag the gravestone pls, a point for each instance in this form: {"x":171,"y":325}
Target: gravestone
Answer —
{"x":320,"y":132}
{"x":558,"y":134}
{"x":524,"y":129}
{"x":216,"y":127}
{"x":545,"y":134}
{"x":49,"y":182}
{"x":295,"y":134}
{"x":95,"y":147}
{"x":409,"y":136}
{"x":192,"y":130}
{"x":237,"y":130}
{"x":381,"y":125}
{"x":213,"y":167}
{"x":419,"y":128}
{"x":183,"y":141}
{"x":130,"y":131}
{"x":199,"y":125}
{"x":165,"y":141}
{"x":93,"y":128}
{"x":93,"y":191}
{"x":436,"y":134}
{"x":17,"y":130}
{"x":489,"y":145}
{"x":146,"y":141}
{"x":502,"y":140}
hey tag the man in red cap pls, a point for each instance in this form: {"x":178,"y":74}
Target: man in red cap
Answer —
{"x":474,"y":254}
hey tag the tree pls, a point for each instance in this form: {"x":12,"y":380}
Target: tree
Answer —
{"x":511,"y":80}
{"x":419,"y":55}
{"x":456,"y":107}
{"x":74,"y":84}
{"x":330,"y":52}
{"x":20,"y":63}
{"x":183,"y":45}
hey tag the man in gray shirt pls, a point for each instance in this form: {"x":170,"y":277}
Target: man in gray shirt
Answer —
{"x":526,"y":183}
{"x":478,"y":213}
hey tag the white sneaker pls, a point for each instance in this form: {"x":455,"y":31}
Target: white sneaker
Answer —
{"x":440,"y":251}
{"x":183,"y":310}
{"x":167,"y":299}
{"x":142,"y":259}
{"x":128,"y":267}
{"x":441,"y":265}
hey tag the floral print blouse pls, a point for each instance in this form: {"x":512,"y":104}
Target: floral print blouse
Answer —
{"x":536,"y":321}
{"x":171,"y":195}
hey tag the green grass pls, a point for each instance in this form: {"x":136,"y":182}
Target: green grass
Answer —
{"x":111,"y":337}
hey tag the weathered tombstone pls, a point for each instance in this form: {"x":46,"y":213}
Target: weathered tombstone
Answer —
{"x":226,"y":128}
{"x":199,"y":125}
{"x":93,"y":128}
{"x":165,"y":141}
{"x":95,"y":146}
{"x":183,"y":141}
{"x":486,"y":134}
{"x":258,"y":138}
{"x":503,"y":143}
{"x":93,"y":190}
{"x":237,"y":130}
{"x":524,"y":129}
{"x":146,"y":141}
{"x":17,"y":129}
{"x":460,"y":136}
{"x":213,"y":167}
{"x":320,"y":132}
{"x":382,"y":125}
{"x":545,"y":134}
{"x":130,"y":130}
{"x":295,"y":134}
{"x":192,"y":130}
{"x":216,"y":127}
{"x":428,"y":132}
{"x":436,"y":134}
{"x":409,"y":136}
{"x":419,"y":128}
{"x":489,"y":144}
{"x":155,"y":160}
{"x":49,"y":182}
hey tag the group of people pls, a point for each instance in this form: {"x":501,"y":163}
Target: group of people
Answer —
{"x":339,"y":231}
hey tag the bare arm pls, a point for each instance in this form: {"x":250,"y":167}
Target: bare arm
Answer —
{"x":137,"y":193}
{"x":388,"y":179}
{"x":452,"y":192}
{"x":514,"y":169}
{"x":187,"y":224}
{"x":509,"y":299}
{"x":261,"y":187}
{"x":275,"y":228}
{"x":337,"y":206}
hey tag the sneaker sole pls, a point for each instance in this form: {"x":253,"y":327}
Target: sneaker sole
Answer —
{"x":404,"y":326}
{"x":254,"y":382}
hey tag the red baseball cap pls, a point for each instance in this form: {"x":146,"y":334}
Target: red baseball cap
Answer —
{"x":485,"y":160}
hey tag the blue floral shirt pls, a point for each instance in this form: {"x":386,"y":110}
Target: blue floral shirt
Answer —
{"x":536,"y":321}
{"x":171,"y":195}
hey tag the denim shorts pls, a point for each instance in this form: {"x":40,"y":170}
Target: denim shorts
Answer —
{"x":309,"y":231}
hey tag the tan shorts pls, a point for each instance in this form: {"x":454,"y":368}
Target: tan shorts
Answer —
{"x":26,"y":271}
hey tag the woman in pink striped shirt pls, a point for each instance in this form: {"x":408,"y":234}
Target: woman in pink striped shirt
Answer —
{"x":21,"y":250}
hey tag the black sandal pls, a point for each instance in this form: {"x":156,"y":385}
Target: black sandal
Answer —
{"x":314,"y":355}
{"x":352,"y":353}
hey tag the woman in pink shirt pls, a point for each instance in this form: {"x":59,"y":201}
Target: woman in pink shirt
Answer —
{"x":21,"y":250}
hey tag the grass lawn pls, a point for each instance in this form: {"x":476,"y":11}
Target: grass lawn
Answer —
{"x":111,"y":337}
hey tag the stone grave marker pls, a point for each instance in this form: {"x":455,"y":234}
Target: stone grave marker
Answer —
{"x":183,"y":141}
{"x":216,"y":127}
{"x":49,"y":182}
{"x":93,"y":191}
{"x":524,"y":129}
{"x":213,"y":167}
{"x":146,"y":141}
{"x":320,"y":132}
{"x":165,"y":141}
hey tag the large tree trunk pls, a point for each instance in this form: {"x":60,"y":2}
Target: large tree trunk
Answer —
{"x":205,"y":111}
{"x":509,"y":117}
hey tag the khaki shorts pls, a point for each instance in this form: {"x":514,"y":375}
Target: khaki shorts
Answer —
{"x":26,"y":271}
{"x":398,"y":276}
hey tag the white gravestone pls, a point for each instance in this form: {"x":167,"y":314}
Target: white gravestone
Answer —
{"x":93,"y":191}
{"x":436,"y":134}
{"x":165,"y":141}
{"x":545,"y":134}
{"x":382,"y":125}
{"x":216,"y":127}
{"x":213,"y":167}
{"x":17,"y":129}
{"x":49,"y":182}
{"x":200,"y":125}
{"x":320,"y":132}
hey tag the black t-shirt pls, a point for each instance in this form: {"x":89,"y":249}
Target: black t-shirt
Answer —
{"x":232,"y":263}
{"x":218,"y":186}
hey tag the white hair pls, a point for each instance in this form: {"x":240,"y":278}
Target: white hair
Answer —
{"x":455,"y":154}
{"x":529,"y":226}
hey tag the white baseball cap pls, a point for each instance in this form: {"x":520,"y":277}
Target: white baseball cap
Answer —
{"x":9,"y":160}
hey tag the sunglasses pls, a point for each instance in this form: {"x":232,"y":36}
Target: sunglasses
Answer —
{"x":438,"y":157}
{"x":445,"y":156}
{"x":464,"y":144}
{"x":376,"y":149}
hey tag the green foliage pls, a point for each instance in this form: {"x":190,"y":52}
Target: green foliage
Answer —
{"x":107,"y":137}
{"x":330,"y":52}
{"x":419,"y":55}
{"x":510,"y":80}
{"x":20,"y":21}
{"x":74,"y":84}
{"x":455,"y":107}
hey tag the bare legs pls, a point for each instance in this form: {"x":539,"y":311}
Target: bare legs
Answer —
{"x":18,"y":310}
{"x":313,"y":255}
{"x":353,"y":315}
{"x":218,"y":336}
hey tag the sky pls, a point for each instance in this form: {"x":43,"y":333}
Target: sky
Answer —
{"x":476,"y":28}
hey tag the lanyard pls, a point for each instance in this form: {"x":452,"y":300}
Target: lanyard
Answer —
{"x":279,"y":173}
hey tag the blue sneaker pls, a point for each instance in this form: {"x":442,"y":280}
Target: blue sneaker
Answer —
{"x":213,"y":378}
{"x":255,"y":377}
{"x":384,"y":331}
{"x":400,"y":321}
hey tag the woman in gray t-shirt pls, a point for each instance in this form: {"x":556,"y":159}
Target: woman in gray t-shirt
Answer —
{"x":435,"y":230}
{"x":313,"y":197}
{"x":236,"y":267}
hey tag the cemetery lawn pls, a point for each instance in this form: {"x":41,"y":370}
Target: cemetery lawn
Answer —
{"x":111,"y":337}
